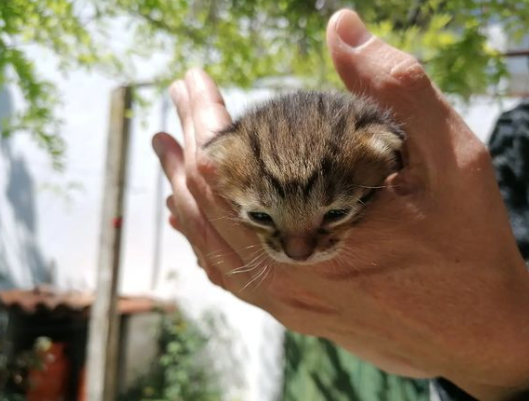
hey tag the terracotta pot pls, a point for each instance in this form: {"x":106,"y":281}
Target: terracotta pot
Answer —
{"x":50,"y":382}
{"x":81,"y":392}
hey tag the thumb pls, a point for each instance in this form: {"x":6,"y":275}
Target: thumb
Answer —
{"x":369,"y":66}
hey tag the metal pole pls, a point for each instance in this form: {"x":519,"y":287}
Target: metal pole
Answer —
{"x":104,"y":325}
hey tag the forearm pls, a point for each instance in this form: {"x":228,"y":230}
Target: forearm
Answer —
{"x":498,"y":354}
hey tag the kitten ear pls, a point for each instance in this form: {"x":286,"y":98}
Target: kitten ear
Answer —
{"x":231,"y":158}
{"x":235,"y":170}
{"x":386,"y":144}
{"x":383,"y":143}
{"x":216,"y":146}
{"x":223,"y":145}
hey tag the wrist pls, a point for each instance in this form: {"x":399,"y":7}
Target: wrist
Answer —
{"x":503,"y":374}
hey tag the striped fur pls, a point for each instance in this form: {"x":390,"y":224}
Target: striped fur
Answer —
{"x":298,"y":156}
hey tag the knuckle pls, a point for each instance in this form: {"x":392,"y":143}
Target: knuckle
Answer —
{"x":170,"y":203}
{"x":199,"y":174}
{"x":164,"y":161}
{"x":192,"y":226}
{"x":202,"y":234}
{"x":482,"y":156}
{"x":193,"y":180}
{"x":204,"y":162}
{"x":215,"y":277}
{"x":410,"y":75}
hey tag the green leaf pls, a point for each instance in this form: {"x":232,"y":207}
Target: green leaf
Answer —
{"x":238,"y":42}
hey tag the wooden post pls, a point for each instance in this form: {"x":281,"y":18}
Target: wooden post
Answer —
{"x":104,"y":329}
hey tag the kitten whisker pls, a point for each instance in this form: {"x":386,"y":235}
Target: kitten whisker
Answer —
{"x":234,"y":271}
{"x":237,"y":271}
{"x":249,"y":246}
{"x":255,"y":278}
{"x":255,"y":252}
{"x":218,"y":254}
{"x":227,"y":216}
{"x":377,"y":187}
{"x":371,"y":187}
{"x":244,"y":269}
{"x":236,"y":220}
{"x":344,"y":252}
{"x":268,"y":268}
{"x":252,"y":265}
{"x":207,"y":255}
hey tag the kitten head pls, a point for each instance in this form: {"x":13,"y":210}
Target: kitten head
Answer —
{"x":300,"y":168}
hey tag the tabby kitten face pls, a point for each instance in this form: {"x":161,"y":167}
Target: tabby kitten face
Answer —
{"x":300,"y":168}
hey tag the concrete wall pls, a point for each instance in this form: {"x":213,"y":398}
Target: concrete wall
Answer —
{"x":49,"y":227}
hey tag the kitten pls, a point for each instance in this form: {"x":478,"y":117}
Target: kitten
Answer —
{"x":300,"y":168}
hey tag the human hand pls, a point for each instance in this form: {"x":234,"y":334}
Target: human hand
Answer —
{"x":435,"y":285}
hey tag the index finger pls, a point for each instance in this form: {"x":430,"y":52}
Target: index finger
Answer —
{"x":207,"y":107}
{"x":208,"y":115}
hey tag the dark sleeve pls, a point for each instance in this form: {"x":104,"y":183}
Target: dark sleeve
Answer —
{"x":509,"y":148}
{"x":449,"y":392}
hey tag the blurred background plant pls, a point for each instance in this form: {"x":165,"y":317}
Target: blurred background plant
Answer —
{"x":184,"y":369}
{"x":58,"y":26}
{"x":239,"y":42}
{"x":14,"y":373}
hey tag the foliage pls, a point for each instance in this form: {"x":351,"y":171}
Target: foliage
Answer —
{"x":58,"y":26}
{"x":183,"y":371}
{"x":13,"y":373}
{"x":240,"y":41}
{"x":12,"y":397}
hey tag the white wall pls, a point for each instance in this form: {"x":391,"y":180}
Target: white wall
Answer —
{"x":43,"y":222}
{"x":21,"y":258}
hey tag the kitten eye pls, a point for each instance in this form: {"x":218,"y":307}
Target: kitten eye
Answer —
{"x":335,"y":215}
{"x":261,"y":218}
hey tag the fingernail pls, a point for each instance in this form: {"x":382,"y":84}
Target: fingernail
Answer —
{"x":196,"y":80}
{"x":192,"y":73}
{"x":191,"y":79}
{"x":351,"y":29}
{"x":176,"y":89}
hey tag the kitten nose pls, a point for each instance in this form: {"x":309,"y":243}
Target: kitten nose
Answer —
{"x":299,"y":248}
